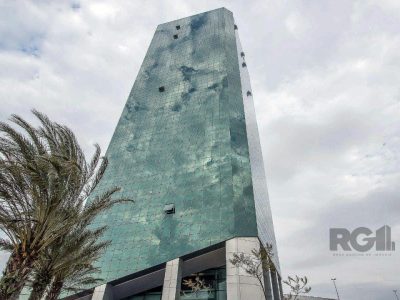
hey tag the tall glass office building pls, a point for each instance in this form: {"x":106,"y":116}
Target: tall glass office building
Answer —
{"x":187,"y":150}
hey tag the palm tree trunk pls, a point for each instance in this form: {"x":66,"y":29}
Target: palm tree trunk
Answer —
{"x":42,"y":280}
{"x":37,"y":292}
{"x":55,"y":290}
{"x":15,"y":276}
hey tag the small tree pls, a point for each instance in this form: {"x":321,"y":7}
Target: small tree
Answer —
{"x":298,"y":285}
{"x":196,"y":285}
{"x":256,"y":263}
{"x":260,"y":261}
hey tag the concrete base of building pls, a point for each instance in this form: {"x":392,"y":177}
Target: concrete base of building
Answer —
{"x":103,"y":292}
{"x":239,"y":284}
{"x":172,"y":280}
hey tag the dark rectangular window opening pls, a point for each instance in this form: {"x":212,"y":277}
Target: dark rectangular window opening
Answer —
{"x":178,"y":27}
{"x":175,"y":36}
{"x":235,"y":27}
{"x":169,"y":208}
{"x":242,"y":54}
{"x":161,"y":89}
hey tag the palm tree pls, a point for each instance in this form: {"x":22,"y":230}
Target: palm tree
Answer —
{"x":68,"y":265}
{"x":45,"y":181}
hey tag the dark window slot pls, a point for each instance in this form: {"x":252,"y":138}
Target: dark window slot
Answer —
{"x":169,"y":208}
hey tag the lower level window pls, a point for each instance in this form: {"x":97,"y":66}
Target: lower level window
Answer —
{"x":208,"y":284}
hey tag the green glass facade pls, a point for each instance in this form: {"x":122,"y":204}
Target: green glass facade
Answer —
{"x":181,"y":139}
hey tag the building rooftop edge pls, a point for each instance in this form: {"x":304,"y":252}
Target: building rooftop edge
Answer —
{"x":220,"y":8}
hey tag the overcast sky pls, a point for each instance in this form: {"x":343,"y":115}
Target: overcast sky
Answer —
{"x":326,"y":84}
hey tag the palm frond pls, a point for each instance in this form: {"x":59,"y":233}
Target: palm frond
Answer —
{"x":45,"y":181}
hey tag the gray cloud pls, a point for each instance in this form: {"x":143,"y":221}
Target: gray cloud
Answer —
{"x":325,"y":78}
